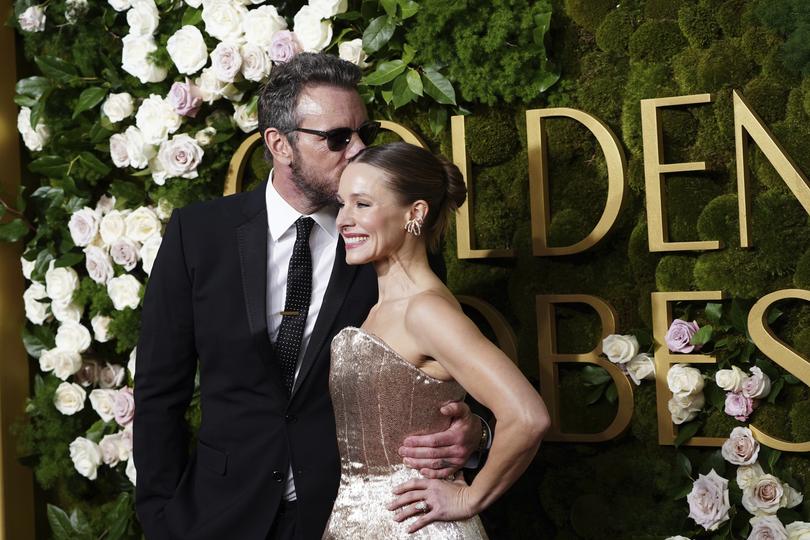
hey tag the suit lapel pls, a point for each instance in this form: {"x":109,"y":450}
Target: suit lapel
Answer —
{"x":339,"y":283}
{"x":251,"y":238}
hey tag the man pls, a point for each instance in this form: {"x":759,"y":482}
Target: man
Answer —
{"x":255,"y":286}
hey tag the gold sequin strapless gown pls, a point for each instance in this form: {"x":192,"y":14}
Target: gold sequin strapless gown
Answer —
{"x":379,"y":399}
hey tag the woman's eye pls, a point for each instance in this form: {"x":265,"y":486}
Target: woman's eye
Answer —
{"x":339,"y":205}
{"x":361,"y":204}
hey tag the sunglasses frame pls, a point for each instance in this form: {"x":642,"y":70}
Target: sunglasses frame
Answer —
{"x":343,"y":142}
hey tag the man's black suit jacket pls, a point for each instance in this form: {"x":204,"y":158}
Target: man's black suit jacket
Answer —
{"x":206,"y":300}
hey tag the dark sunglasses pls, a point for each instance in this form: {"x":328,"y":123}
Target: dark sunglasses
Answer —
{"x":338,"y":139}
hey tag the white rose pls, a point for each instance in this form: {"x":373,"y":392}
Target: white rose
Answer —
{"x":792,"y":496}
{"x":61,"y":283}
{"x":683,"y":380}
{"x":135,"y":58}
{"x":32,"y":19}
{"x":685,"y":408}
{"x":119,"y":5}
{"x":111,"y":376}
{"x":757,"y":386}
{"x":223,"y":19}
{"x":36,"y":311}
{"x":730,"y":380}
{"x":72,"y":336}
{"x":352,"y":51}
{"x":114,"y":449}
{"x":329,"y":8}
{"x":86,"y":457}
{"x":620,"y":349}
{"x":205,"y":136}
{"x":740,"y":448}
{"x":69,"y":398}
{"x":63,"y":363}
{"x":164,"y":208}
{"x":131,"y":472}
{"x":226,"y":60}
{"x":118,"y":150}
{"x":138,"y":151}
{"x":187,"y":50}
{"x":113,"y":226}
{"x":148,"y":252}
{"x":133,"y":359}
{"x":124,"y":291}
{"x":143,"y":18}
{"x":641,"y":367}
{"x":193,"y":3}
{"x":764,"y":496}
{"x":679,"y":537}
{"x":313,"y":33}
{"x":767,"y":528}
{"x":101,"y":328}
{"x":105,"y":205}
{"x":156,"y":119}
{"x":69,"y":311}
{"x":124,"y":252}
{"x":118,"y":106}
{"x":178,"y":157}
{"x":246,"y":117}
{"x":103,"y":402}
{"x":34,"y":138}
{"x":212,"y":89}
{"x":747,"y":475}
{"x":261,"y":23}
{"x":256,"y":64}
{"x":798,"y":530}
{"x":27,"y":267}
{"x":98,"y":263}
{"x":142,"y":224}
{"x":83,"y":226}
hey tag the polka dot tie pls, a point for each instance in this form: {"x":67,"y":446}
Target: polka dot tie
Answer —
{"x":296,"y":303}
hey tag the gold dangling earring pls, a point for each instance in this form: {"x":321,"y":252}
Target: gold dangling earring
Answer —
{"x":414,"y":226}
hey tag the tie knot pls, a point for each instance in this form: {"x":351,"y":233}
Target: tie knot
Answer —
{"x":303,"y":226}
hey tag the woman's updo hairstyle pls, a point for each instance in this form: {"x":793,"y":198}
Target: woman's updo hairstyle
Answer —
{"x":413,"y":174}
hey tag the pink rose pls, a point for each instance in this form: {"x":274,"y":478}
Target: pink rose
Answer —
{"x":284,"y":46}
{"x":741,"y":448}
{"x":708,"y":501}
{"x":739,"y":406}
{"x":124,"y":406}
{"x":679,"y":334}
{"x":757,"y":385}
{"x":87,"y":374}
{"x":185,"y":98}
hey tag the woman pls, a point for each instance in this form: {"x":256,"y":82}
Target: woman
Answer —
{"x":415,"y":351}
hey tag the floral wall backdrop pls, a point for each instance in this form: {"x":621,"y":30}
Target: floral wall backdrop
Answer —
{"x":134,"y":107}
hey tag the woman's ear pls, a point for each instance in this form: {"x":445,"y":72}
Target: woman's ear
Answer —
{"x":419,"y":210}
{"x":279,"y":146}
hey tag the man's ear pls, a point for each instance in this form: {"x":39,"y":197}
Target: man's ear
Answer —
{"x":279,"y":146}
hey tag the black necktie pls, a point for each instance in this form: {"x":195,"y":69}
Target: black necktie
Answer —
{"x":296,"y":304}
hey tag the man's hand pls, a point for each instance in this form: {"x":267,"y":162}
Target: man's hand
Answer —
{"x":440,"y":455}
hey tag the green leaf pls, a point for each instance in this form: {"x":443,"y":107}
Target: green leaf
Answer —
{"x":119,"y":517}
{"x":438,"y":87}
{"x":402,"y":92}
{"x":89,"y":98}
{"x":414,"y":81}
{"x":37,"y":339}
{"x":387,"y":96}
{"x":348,"y":16}
{"x":437,"y":117}
{"x":408,"y":53}
{"x":738,"y":316}
{"x":542,"y":22}
{"x":80,"y":524}
{"x":130,"y":192}
{"x":51,"y":165}
{"x":61,"y":527}
{"x":41,"y":266}
{"x":684,"y":464}
{"x":594,"y":375}
{"x":378,"y":33}
{"x":68,"y":259}
{"x":611,"y":394}
{"x":768,"y":369}
{"x":96,"y":431}
{"x":191,"y":17}
{"x":38,"y":110}
{"x":702,"y":336}
{"x":714,"y":311}
{"x":687,"y":431}
{"x":776,"y":388}
{"x":390,"y":7}
{"x":33,"y":87}
{"x":94,"y":164}
{"x":385,"y":72}
{"x":25,"y":101}
{"x":716,"y":396}
{"x":790,"y":379}
{"x":773,"y":314}
{"x":681,"y":492}
{"x":409,"y":8}
{"x":715,"y":462}
{"x":13,"y":230}
{"x":56,"y":68}
{"x":2,"y":211}
{"x":595,"y":394}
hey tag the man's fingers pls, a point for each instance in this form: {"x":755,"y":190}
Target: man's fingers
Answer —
{"x":455,"y":408}
{"x":436,"y":464}
{"x":449,"y":452}
{"x":440,"y":474}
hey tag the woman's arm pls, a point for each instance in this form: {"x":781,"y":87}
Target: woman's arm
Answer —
{"x":447,"y":335}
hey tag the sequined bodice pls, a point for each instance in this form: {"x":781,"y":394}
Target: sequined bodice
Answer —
{"x":379,"y":399}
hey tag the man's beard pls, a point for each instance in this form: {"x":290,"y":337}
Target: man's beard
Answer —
{"x":317,"y":192}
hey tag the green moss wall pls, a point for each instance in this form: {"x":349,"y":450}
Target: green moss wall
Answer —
{"x":612,"y":54}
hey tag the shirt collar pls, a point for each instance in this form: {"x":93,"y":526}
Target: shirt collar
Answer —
{"x":281,"y":216}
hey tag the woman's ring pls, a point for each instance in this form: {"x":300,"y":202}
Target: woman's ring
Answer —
{"x":421,"y":506}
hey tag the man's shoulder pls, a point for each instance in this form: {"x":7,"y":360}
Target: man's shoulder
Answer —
{"x":231,"y":209}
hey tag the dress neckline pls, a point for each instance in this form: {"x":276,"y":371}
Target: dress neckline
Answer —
{"x":378,"y":340}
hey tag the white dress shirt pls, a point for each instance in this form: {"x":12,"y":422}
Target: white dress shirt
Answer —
{"x":323,"y":239}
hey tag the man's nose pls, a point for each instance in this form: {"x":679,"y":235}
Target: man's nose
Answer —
{"x":356,"y":145}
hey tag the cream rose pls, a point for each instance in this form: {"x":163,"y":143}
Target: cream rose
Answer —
{"x":156,"y":119}
{"x":69,"y":311}
{"x":352,"y":51}
{"x":105,"y":205}
{"x":142,"y":224}
{"x":27,"y":267}
{"x":35,"y":138}
{"x":260,"y":24}
{"x":133,"y":359}
{"x":86,"y":457}
{"x":118,"y":106}
{"x":708,"y":501}
{"x":118,"y":150}
{"x":101,"y":328}
{"x":620,"y":349}
{"x":685,"y":408}
{"x":36,"y":311}
{"x":135,"y":59}
{"x":119,"y":5}
{"x":730,"y":380}
{"x":69,"y":398}
{"x":65,"y":363}
{"x":256,"y":64}
{"x":740,"y":448}
{"x":130,"y":471}
{"x":60,"y":283}
{"x":187,"y":50}
{"x":764,"y":496}
{"x":312,"y":31}
{"x":212,"y":89}
{"x":223,"y":19}
{"x":124,"y":291}
{"x":684,"y":380}
{"x":149,"y":252}
{"x":32,"y":19}
{"x":747,"y":475}
{"x":72,"y":336}
{"x":83,"y":226}
{"x":143,"y":17}
{"x":178,"y":157}
{"x":98,"y":264}
{"x":114,"y":449}
{"x":139,"y":150}
{"x":246,"y":117}
{"x":111,"y":376}
{"x":767,"y":528}
{"x":205,"y":136}
{"x":798,"y":530}
{"x":103,"y":402}
{"x":113,"y":226}
{"x":329,"y":8}
{"x":226,"y":60}
{"x":757,"y":385}
{"x":124,"y":252}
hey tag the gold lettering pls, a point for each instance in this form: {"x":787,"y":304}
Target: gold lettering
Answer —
{"x":654,"y":171}
{"x":539,"y":181}
{"x":550,"y":358}
{"x":240,"y":161}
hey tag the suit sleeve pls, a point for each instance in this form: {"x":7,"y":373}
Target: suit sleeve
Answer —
{"x":166,"y":364}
